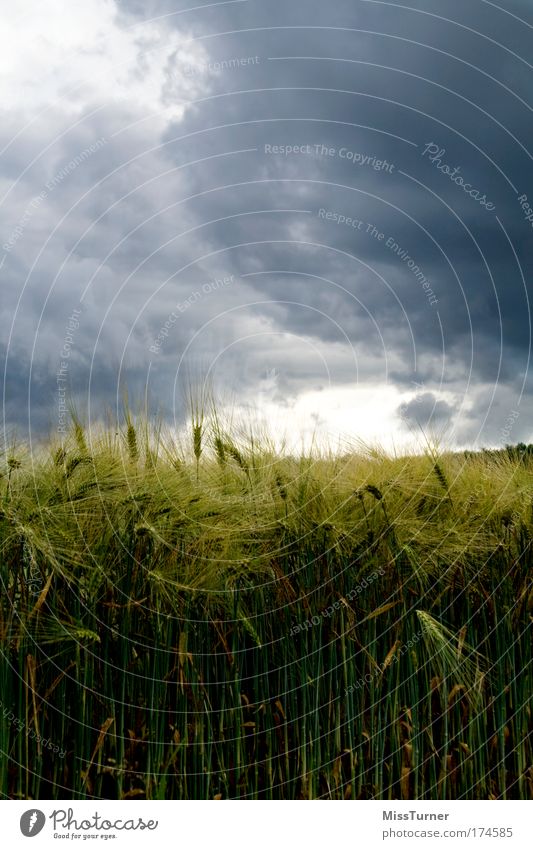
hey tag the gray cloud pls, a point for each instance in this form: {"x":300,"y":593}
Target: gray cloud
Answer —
{"x":187,"y":188}
{"x":426,"y":410}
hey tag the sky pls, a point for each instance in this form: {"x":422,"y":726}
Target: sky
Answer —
{"x":322,"y":211}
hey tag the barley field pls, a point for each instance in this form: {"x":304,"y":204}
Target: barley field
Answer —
{"x":217,"y":619}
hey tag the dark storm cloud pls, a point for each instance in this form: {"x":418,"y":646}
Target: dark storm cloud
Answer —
{"x":426,"y":410}
{"x":361,"y":244}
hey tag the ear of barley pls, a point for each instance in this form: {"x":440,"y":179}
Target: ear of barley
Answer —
{"x":79,"y":433}
{"x":236,"y":455}
{"x":220,"y":450}
{"x":441,"y":477}
{"x":131,"y":440}
{"x":453,"y":662}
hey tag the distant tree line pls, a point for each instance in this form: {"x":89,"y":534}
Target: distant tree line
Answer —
{"x":520,"y":451}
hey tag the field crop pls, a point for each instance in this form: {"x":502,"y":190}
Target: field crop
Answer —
{"x":222,"y":620}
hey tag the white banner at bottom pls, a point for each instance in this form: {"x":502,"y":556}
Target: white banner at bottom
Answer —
{"x":267,"y":825}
